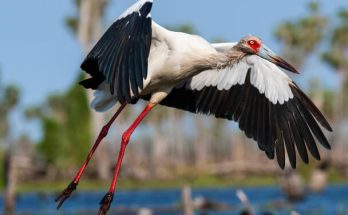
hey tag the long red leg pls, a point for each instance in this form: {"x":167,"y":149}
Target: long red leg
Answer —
{"x":106,"y":201}
{"x":72,"y":186}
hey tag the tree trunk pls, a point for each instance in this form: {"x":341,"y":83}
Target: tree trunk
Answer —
{"x":340,"y":117}
{"x":177,"y":141}
{"x":160,"y":148}
{"x":10,"y":182}
{"x":200,"y":144}
{"x":89,"y":30}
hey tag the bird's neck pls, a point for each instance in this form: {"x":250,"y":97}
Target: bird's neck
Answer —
{"x":227,"y":59}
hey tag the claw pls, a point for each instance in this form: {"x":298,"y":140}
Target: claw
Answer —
{"x":105,"y":203}
{"x":66,"y":194}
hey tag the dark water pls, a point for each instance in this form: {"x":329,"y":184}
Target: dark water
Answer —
{"x":333,"y":201}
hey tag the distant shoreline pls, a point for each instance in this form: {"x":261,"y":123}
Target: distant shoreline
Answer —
{"x":195,"y":182}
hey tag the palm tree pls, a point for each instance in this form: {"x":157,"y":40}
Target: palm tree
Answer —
{"x":9,"y":97}
{"x":301,"y":37}
{"x":337,"y":58}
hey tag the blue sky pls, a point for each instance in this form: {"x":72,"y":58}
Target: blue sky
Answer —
{"x":41,"y":56}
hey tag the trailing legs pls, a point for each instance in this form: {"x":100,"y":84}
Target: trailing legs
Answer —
{"x":107,"y":200}
{"x":73,"y":185}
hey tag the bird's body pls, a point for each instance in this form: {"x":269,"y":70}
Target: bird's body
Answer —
{"x":173,"y":58}
{"x":137,"y":59}
{"x":170,"y":60}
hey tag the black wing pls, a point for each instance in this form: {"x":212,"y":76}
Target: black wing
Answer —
{"x":121,"y":55}
{"x":275,"y":127}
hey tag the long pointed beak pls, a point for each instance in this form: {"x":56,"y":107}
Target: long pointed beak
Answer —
{"x":269,"y":55}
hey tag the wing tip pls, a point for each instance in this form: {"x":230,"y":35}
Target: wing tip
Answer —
{"x":311,"y":106}
{"x":143,"y":7}
{"x":281,"y":166}
{"x":90,"y":65}
{"x":329,"y":128}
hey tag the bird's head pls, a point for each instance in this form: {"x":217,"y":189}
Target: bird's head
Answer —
{"x":253,"y":46}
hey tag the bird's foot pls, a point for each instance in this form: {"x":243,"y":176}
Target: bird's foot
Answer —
{"x":66,"y":194}
{"x":105,"y":203}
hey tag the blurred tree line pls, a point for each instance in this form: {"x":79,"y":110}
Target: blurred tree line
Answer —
{"x":170,"y":142}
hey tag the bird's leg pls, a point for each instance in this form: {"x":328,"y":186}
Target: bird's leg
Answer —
{"x":106,"y":201}
{"x":72,"y":186}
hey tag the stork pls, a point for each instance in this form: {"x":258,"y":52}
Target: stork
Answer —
{"x":137,"y":59}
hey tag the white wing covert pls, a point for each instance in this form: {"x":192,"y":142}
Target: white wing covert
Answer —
{"x":265,"y":76}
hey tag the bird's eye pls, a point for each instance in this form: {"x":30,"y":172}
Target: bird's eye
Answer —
{"x":254,"y":44}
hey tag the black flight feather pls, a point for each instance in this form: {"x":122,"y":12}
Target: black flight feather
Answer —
{"x":275,"y":127}
{"x":121,"y":55}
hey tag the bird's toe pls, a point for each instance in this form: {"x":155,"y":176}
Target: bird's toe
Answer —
{"x":66,"y":194}
{"x":105,"y":203}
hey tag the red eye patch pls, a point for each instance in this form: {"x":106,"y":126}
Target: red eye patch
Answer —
{"x":254,"y":44}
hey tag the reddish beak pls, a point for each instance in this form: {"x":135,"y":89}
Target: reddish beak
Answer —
{"x":283,"y":64}
{"x":269,"y":55}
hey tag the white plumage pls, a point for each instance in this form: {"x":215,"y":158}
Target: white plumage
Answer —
{"x":103,"y":99}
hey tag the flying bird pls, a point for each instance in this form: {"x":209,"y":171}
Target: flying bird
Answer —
{"x":136,"y":59}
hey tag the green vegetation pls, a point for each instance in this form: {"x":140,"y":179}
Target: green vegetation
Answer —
{"x":66,"y":127}
{"x":201,"y":181}
{"x":205,"y":181}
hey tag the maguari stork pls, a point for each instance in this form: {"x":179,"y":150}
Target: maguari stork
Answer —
{"x":136,"y":58}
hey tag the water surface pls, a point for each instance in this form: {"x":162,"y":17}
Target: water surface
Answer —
{"x":334,"y":200}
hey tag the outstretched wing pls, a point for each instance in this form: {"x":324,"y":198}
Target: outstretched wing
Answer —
{"x":268,"y":106}
{"x":121,"y":55}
